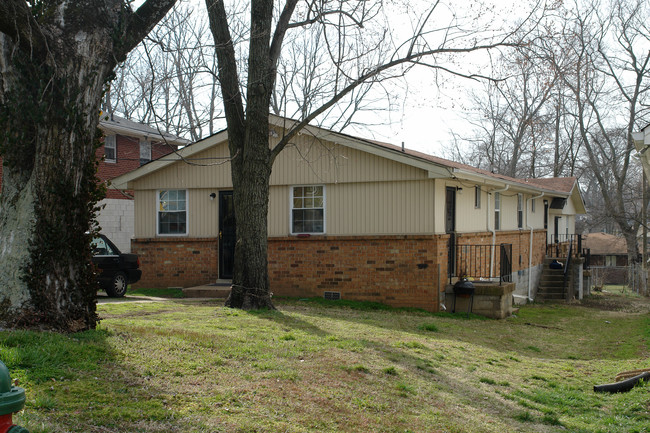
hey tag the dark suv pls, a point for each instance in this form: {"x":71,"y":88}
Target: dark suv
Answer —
{"x":116,"y":270}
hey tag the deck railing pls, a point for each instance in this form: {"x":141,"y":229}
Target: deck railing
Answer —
{"x":480,"y":262}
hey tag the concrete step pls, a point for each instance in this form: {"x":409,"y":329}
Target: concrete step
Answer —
{"x":207,"y":291}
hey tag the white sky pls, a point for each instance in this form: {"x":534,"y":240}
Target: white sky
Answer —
{"x":433,"y":108}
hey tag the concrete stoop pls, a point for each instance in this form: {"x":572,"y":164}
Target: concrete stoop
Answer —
{"x":220,"y":289}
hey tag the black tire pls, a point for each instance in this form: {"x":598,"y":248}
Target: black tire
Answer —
{"x":118,"y":286}
{"x":623,"y":385}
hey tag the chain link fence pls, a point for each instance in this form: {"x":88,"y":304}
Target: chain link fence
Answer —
{"x":633,"y":277}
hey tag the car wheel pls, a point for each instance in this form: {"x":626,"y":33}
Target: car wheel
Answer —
{"x":118,"y":286}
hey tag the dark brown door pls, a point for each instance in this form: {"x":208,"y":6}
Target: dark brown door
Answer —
{"x":227,"y":235}
{"x":450,"y":227}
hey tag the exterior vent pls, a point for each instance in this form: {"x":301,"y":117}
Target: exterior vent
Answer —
{"x":332,"y":296}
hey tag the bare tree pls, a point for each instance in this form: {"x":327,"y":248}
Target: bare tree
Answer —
{"x":169,"y":81}
{"x":521,"y":127}
{"x":608,"y":75}
{"x":55,"y":57}
{"x":359,"y":51}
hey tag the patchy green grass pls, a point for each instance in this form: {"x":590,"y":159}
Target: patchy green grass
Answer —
{"x":181,"y":365}
{"x":158,"y":293}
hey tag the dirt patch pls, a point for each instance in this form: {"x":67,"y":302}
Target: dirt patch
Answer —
{"x":617,"y":302}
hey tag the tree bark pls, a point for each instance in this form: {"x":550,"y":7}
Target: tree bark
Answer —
{"x":50,"y":91}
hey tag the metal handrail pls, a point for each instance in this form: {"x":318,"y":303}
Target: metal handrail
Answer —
{"x":566,"y":268}
{"x":472,"y":260}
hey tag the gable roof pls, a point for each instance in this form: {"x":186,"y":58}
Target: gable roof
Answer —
{"x":436,"y":167}
{"x":119,"y":125}
{"x":604,"y":244}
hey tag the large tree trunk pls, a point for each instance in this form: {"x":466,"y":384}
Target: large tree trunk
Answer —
{"x":54,"y":61}
{"x":50,"y":115}
{"x":250,"y":288}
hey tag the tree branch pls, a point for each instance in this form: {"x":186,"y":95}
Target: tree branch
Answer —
{"x":280,"y":31}
{"x":410,"y":58}
{"x":139,"y":24}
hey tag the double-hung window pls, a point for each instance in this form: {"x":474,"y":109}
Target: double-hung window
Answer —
{"x":110,"y":148}
{"x":520,"y":210}
{"x":172,"y":212}
{"x":477,"y":196}
{"x":308,"y":209}
{"x":497,"y":211}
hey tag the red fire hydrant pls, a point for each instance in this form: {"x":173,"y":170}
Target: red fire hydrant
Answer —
{"x":12,"y":399}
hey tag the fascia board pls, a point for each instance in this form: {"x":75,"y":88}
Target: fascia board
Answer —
{"x":514,"y":186}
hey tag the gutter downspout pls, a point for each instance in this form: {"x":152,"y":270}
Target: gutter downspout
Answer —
{"x":530,"y":248}
{"x":494,"y":233}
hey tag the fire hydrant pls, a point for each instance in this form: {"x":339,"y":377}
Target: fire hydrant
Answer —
{"x":12,"y":399}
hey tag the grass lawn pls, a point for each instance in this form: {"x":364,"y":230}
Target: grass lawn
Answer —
{"x":181,"y":365}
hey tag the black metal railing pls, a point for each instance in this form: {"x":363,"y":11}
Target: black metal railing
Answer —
{"x":559,"y":245}
{"x":480,"y":261}
{"x":586,"y":254}
{"x":567,"y":268}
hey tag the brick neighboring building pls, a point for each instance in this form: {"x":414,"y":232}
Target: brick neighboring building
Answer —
{"x":350,"y":217}
{"x":130,"y":145}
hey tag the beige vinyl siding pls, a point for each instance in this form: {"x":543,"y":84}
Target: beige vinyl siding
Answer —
{"x":367,"y":208}
{"x":279,"y":208}
{"x":202,"y":216}
{"x":380,"y":208}
{"x":145,"y":216}
{"x":302,"y":163}
{"x":468,"y":217}
{"x":207,"y":169}
{"x":313,"y":162}
{"x":534,"y":219}
{"x":508,"y":210}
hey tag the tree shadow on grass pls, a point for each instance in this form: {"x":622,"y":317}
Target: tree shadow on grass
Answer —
{"x":76,"y":383}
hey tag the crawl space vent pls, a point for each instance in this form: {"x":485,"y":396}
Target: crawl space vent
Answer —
{"x":332,"y":296}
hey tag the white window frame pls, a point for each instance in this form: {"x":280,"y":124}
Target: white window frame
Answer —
{"x":520,"y":210}
{"x":291,"y":209}
{"x":110,"y":142}
{"x":532,"y":205}
{"x":497,"y":211}
{"x":477,"y":196}
{"x":145,"y":151}
{"x":187,"y":214}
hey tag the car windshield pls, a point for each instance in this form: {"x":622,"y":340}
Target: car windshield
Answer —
{"x":101,"y":248}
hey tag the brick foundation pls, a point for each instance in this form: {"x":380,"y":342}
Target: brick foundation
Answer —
{"x":176,"y":262}
{"x":401,"y":271}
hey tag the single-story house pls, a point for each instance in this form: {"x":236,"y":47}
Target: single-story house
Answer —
{"x":349,"y":217}
{"x":607,"y":257}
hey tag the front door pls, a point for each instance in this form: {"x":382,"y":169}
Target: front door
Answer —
{"x":450,"y":227}
{"x":227,"y":235}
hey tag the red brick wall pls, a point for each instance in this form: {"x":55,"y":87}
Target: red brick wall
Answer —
{"x":401,"y":271}
{"x":520,"y":241}
{"x":128,"y":159}
{"x":176,"y":262}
